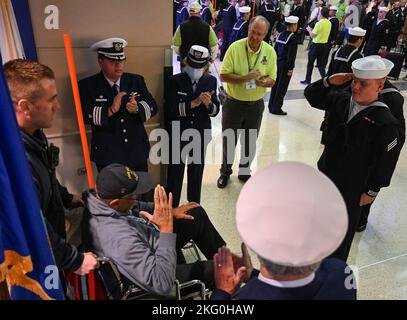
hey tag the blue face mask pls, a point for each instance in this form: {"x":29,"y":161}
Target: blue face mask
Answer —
{"x":194,"y":74}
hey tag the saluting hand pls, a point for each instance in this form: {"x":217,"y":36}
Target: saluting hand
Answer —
{"x":340,"y":78}
{"x":162,"y":216}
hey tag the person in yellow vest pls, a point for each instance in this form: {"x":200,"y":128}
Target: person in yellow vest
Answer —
{"x":319,"y":46}
{"x":248,"y":69}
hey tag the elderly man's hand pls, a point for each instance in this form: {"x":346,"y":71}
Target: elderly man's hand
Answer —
{"x":264,"y":81}
{"x":243,"y":261}
{"x":226,"y":278}
{"x":340,"y":78}
{"x":162,"y":216}
{"x":252,"y":75}
{"x":182,"y":211}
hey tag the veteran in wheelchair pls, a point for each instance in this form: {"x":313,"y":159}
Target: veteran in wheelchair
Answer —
{"x":143,"y":241}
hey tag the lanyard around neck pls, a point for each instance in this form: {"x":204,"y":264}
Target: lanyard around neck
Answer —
{"x":248,"y":59}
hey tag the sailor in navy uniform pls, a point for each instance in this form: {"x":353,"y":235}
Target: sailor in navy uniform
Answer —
{"x":341,"y":59}
{"x":286,"y":49}
{"x":241,"y":27}
{"x":341,"y":62}
{"x":392,"y":97}
{"x":206,"y":14}
{"x":229,"y":19}
{"x":379,"y":40}
{"x":116,"y":105}
{"x":334,"y":27}
{"x":292,"y":233}
{"x":193,"y":100}
{"x":363,"y":143}
{"x":182,"y":12}
{"x":271,"y":12}
{"x":396,"y":20}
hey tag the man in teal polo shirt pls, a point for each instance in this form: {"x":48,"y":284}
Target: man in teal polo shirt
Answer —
{"x":248,"y":69}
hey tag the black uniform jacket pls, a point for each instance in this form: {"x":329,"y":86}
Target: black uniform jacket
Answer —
{"x":359,"y":155}
{"x":342,"y":59}
{"x":286,"y":49}
{"x":52,"y":197}
{"x":181,"y":95}
{"x":121,"y":138}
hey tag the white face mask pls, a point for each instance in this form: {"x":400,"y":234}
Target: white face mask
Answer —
{"x":194,"y":74}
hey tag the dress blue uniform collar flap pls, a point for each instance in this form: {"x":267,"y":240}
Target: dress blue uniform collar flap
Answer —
{"x":279,"y":40}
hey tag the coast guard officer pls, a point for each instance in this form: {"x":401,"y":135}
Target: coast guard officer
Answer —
{"x":286,"y":48}
{"x":241,"y":27}
{"x":116,"y":104}
{"x":192,"y":102}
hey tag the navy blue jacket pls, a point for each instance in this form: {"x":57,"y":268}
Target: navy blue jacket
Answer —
{"x":181,"y":95}
{"x":286,"y":49}
{"x":229,"y":19}
{"x":329,"y":283}
{"x":206,"y":14}
{"x":121,"y":138}
{"x":240,"y":30}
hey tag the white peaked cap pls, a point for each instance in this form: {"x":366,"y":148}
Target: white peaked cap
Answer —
{"x":359,"y":32}
{"x":335,"y":8}
{"x":291,"y":19}
{"x":291,"y":214}
{"x":244,"y":9}
{"x":111,"y":48}
{"x":371,"y":67}
{"x":385,"y":9}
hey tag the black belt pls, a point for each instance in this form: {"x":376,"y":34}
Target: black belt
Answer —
{"x":245,"y":102}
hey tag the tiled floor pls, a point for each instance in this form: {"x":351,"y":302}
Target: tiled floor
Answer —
{"x":379,"y":254}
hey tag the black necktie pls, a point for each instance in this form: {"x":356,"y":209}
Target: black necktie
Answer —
{"x":194,"y":84}
{"x":115,"y":88}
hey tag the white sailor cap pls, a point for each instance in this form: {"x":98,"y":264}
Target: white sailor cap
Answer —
{"x":198,"y":57}
{"x":302,"y":223}
{"x":291,"y":19}
{"x":371,"y":67}
{"x":334,"y":8}
{"x":111,"y":48}
{"x":244,"y":9}
{"x":359,"y":32}
{"x":385,"y":9}
{"x":195,"y":7}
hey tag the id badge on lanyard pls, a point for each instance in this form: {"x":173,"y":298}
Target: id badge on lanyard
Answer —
{"x":251,"y":85}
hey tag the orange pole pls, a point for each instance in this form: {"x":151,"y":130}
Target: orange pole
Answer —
{"x":78,"y":106}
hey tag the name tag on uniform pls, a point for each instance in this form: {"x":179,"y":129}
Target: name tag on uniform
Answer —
{"x":251,"y":85}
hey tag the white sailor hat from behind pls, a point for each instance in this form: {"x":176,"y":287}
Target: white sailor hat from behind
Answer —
{"x":302,"y":223}
{"x":291,"y":19}
{"x":371,"y":67}
{"x":195,"y":7}
{"x":112,"y":48}
{"x":333,"y":8}
{"x":244,"y":9}
{"x":359,"y":32}
{"x":198,"y":57}
{"x":385,"y":9}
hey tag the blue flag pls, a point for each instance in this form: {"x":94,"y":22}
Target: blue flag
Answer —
{"x":26,"y":259}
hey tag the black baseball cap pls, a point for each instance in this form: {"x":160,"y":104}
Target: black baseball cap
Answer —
{"x":116,"y":181}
